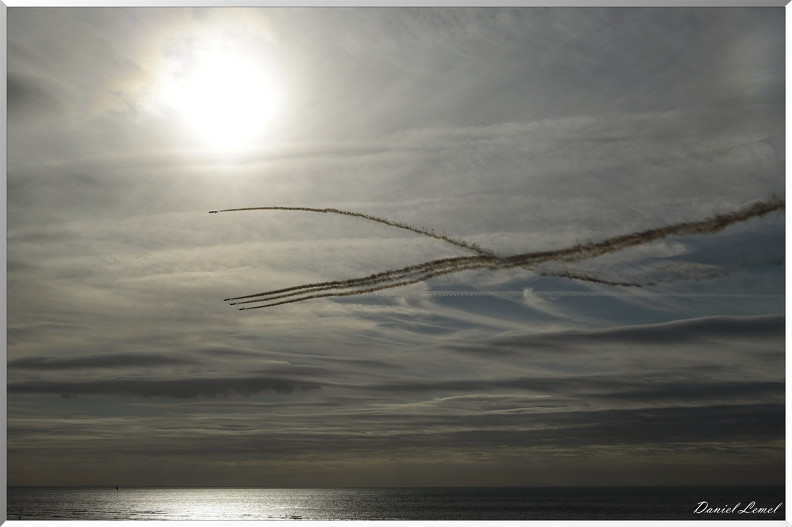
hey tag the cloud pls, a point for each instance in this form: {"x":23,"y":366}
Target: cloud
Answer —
{"x":324,"y":430}
{"x":718,"y":354}
{"x":27,"y":98}
{"x":178,"y":388}
{"x":658,"y":389}
{"x":752,"y":329}
{"x":625,"y":427}
{"x":115,"y":360}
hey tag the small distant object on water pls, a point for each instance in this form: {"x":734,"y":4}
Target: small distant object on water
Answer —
{"x":116,"y":489}
{"x":213,"y":212}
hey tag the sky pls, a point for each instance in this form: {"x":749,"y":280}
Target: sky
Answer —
{"x":491,"y":133}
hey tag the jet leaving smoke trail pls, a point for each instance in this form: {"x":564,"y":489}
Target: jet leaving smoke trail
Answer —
{"x":453,"y":263}
{"x":423,"y":277}
{"x":371,"y":280}
{"x":576,"y":275}
{"x":421,"y":272}
{"x":453,"y":241}
{"x":435,"y":268}
{"x":408,"y":277}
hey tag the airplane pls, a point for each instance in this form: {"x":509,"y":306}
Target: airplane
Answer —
{"x":213,"y":212}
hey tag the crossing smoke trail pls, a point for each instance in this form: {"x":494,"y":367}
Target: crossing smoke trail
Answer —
{"x":453,"y":241}
{"x":421,"y":272}
{"x":382,"y":276}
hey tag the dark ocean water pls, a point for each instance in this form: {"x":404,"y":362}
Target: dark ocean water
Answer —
{"x":458,"y":503}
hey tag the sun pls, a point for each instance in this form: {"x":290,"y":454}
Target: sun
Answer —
{"x":227,"y":100}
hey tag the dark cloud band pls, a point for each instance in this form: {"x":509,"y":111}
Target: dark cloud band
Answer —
{"x":178,"y":388}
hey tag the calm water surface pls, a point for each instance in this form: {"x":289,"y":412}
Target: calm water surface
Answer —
{"x":507,"y":503}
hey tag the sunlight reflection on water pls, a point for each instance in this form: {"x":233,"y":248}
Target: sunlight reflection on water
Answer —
{"x":484,"y":503}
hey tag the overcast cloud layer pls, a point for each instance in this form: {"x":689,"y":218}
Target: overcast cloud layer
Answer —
{"x":518,"y":130}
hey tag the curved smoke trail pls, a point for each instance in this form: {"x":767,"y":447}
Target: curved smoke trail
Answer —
{"x":453,"y":241}
{"x":421,"y":272}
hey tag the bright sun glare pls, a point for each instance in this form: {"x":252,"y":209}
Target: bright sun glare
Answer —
{"x":227,"y":100}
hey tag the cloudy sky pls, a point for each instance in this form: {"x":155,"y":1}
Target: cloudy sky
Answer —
{"x":515,"y":131}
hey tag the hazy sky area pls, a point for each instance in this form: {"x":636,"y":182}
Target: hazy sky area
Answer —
{"x":517,"y":130}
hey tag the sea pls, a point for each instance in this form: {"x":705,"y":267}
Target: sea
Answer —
{"x":423,"y":503}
